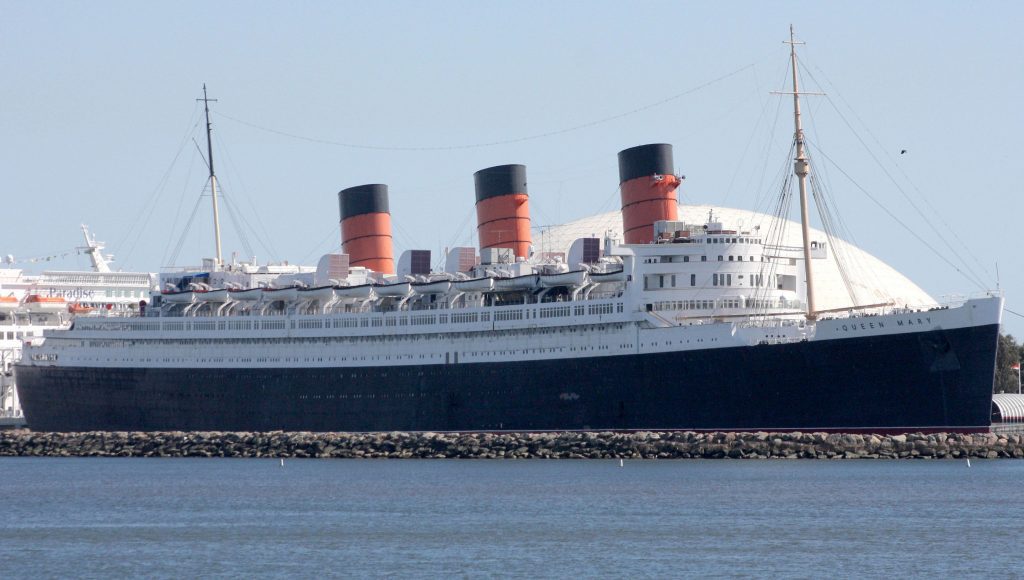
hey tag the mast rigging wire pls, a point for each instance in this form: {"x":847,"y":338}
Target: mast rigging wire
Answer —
{"x":498,"y":142}
{"x":828,"y":221}
{"x":184,"y":234}
{"x":336,"y":247}
{"x":893,"y":160}
{"x":1012,"y":312}
{"x":234,"y":175}
{"x":233,"y":214}
{"x":762,"y":116}
{"x":181,"y":203}
{"x":834,"y":225}
{"x":137,"y":225}
{"x":901,"y":223}
{"x":885,"y":170}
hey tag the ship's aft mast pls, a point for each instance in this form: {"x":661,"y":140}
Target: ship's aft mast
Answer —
{"x":213,"y":176}
{"x":801,"y":168}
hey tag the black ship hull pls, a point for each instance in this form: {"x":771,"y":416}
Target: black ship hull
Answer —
{"x":929,"y":381}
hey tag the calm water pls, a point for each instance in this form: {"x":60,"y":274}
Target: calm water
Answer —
{"x":437,"y":518}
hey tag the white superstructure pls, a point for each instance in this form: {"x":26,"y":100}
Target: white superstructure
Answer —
{"x":702,"y":287}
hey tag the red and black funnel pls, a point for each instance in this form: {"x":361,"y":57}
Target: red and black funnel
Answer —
{"x":366,"y":227}
{"x":648,"y":186}
{"x":503,"y":208}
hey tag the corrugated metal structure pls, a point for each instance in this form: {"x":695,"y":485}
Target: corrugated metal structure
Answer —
{"x":1007,"y":408}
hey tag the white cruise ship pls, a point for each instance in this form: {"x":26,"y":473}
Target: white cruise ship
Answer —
{"x":31,"y":303}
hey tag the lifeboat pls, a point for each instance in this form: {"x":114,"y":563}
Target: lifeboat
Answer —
{"x":474,"y":285}
{"x":8,"y":303}
{"x":218,"y":295}
{"x":359,"y":292}
{"x":79,"y":309}
{"x":397,"y":289}
{"x":286,"y":294}
{"x":36,"y":303}
{"x":438,"y":287}
{"x":247,"y":295}
{"x":573,"y":279}
{"x":184,"y":297}
{"x":526,"y":282}
{"x":616,"y":276}
{"x":321,"y":293}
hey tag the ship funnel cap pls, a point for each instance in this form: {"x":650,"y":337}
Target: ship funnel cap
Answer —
{"x":363,"y":199}
{"x":499,"y":180}
{"x":645,"y":161}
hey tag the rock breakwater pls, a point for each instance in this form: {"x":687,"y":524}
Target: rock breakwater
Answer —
{"x":563,"y":445}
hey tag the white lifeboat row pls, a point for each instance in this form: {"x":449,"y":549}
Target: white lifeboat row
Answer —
{"x":265,"y":295}
{"x":404,"y":289}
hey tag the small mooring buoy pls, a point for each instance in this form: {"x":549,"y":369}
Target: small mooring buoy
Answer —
{"x":968,"y":462}
{"x":282,"y":462}
{"x":620,"y":462}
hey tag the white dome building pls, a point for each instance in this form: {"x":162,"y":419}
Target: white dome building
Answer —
{"x":871,"y":280}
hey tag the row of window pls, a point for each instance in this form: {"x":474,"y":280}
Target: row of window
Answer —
{"x":740,"y":240}
{"x":686,"y":258}
{"x":653,"y":281}
{"x":96,"y":278}
{"x":341,"y":340}
{"x":733,"y":302}
{"x":740,"y":259}
{"x":126,"y":293}
{"x":17,"y":335}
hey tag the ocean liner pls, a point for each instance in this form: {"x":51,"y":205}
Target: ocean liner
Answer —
{"x":703,"y":326}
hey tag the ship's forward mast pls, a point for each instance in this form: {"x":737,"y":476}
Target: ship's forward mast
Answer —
{"x":802,"y":169}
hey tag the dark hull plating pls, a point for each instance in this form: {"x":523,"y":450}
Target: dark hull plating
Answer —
{"x":929,"y":381}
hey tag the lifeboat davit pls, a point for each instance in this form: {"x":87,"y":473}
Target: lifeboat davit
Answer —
{"x":36,"y":303}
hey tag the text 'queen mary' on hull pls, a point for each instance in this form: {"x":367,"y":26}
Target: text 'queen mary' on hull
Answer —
{"x":700,"y":325}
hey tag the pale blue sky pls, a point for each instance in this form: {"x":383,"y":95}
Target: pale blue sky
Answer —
{"x":97,"y":97}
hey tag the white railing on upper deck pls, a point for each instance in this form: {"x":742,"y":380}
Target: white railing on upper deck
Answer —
{"x":542,"y":314}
